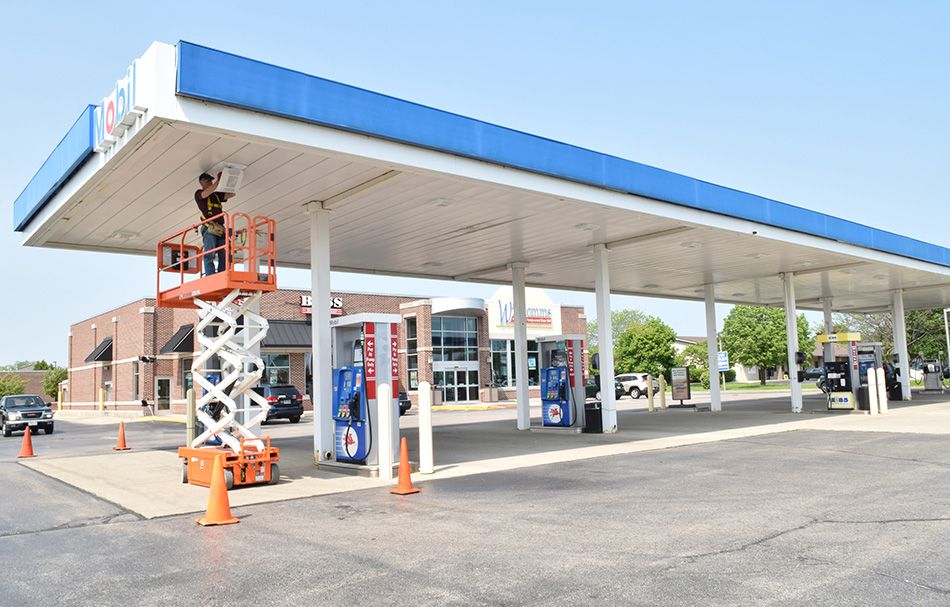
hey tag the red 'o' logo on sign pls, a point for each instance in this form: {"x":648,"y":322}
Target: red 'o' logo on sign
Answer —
{"x":110,"y":116}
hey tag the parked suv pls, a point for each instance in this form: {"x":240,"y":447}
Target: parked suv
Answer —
{"x":592,"y":388}
{"x":22,"y":410}
{"x":285,"y":402}
{"x":635,"y":384}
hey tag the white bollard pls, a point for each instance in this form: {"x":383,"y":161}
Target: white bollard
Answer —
{"x":882,"y":391}
{"x":872,"y":391}
{"x":384,"y":449}
{"x":650,"y":393}
{"x":426,"y":459}
{"x":662,"y":392}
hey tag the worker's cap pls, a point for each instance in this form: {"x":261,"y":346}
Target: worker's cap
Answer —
{"x":205,"y":177}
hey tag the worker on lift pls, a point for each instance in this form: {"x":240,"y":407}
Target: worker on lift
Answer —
{"x":210,"y":204}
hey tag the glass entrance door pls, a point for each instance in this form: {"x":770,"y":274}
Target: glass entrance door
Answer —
{"x":163,"y":392}
{"x":457,"y":385}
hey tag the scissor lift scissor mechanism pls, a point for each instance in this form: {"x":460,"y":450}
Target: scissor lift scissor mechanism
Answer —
{"x":227,"y":333}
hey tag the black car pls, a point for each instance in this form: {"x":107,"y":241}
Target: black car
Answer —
{"x":814,"y":373}
{"x":285,"y":402}
{"x":404,"y":403}
{"x":22,"y":410}
{"x":592,"y":388}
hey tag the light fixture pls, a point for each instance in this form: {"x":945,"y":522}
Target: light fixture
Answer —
{"x":846,"y":271}
{"x":586,"y":226}
{"x":804,"y":264}
{"x":699,"y":290}
{"x":650,"y":286}
{"x":691,"y":244}
{"x":433,"y":264}
{"x":124,"y":235}
{"x":755,"y":255}
{"x":534,"y":274}
{"x":442,"y":203}
{"x":738,"y":294}
{"x":880,"y":276}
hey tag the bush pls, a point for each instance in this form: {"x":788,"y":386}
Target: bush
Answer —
{"x":11,"y":384}
{"x":731,"y":375}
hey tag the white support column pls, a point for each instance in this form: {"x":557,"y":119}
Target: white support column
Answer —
{"x":791,"y":334}
{"x":712,"y":347}
{"x":322,"y":370}
{"x":521,"y":344}
{"x":829,"y":347}
{"x":900,"y":340}
{"x":605,"y":339}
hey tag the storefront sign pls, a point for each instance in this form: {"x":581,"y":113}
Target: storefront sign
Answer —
{"x":336,"y":305}
{"x":679,"y":382}
{"x":535,"y":317}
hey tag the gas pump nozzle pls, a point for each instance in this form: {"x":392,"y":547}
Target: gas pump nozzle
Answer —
{"x":354,"y":405}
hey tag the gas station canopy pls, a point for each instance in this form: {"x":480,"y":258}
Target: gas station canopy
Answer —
{"x":416,"y":191}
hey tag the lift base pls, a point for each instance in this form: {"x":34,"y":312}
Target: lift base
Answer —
{"x":250,"y":467}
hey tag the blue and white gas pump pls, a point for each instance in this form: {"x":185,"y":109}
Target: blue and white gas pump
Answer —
{"x":562,"y":380}
{"x":365,"y":356}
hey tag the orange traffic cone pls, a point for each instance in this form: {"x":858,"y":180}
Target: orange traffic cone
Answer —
{"x":219,"y":510}
{"x":26,"y":449}
{"x":404,"y":487}
{"x":120,"y":444}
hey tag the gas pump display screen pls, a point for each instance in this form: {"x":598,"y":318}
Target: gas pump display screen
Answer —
{"x":559,"y":358}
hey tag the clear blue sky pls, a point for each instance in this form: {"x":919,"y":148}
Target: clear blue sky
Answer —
{"x":837,"y":106}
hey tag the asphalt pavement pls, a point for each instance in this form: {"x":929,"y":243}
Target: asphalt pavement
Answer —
{"x":796,"y":518}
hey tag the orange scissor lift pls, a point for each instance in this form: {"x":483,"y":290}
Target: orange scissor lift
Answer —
{"x":227,"y":332}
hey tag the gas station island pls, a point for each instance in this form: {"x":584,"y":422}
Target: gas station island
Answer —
{"x":327,"y":176}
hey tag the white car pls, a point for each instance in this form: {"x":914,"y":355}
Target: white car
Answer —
{"x":635,"y":384}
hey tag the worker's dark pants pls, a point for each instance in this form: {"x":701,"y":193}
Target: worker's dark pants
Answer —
{"x":210,"y":241}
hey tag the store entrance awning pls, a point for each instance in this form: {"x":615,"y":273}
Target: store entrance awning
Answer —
{"x":183,"y":341}
{"x":102,"y":352}
{"x":288,"y":334}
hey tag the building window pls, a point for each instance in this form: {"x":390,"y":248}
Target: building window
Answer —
{"x":107,"y":388}
{"x":308,"y":372}
{"x":412,"y":354}
{"x":454,"y":339}
{"x":187,"y":382}
{"x":135,"y":380}
{"x":503,"y":368}
{"x":276,"y":369}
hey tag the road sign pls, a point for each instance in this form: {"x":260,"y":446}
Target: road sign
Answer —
{"x":723,"y":360}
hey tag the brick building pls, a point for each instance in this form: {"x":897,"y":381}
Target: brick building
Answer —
{"x":461,"y":345}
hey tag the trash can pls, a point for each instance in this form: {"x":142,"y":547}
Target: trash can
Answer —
{"x":593,"y":419}
{"x":864,"y":398}
{"x":894,"y":392}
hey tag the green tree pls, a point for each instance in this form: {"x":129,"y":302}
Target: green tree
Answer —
{"x":755,"y":336}
{"x":11,"y":384}
{"x":696,"y":358}
{"x":925,"y":331}
{"x":42,"y":365}
{"x":51,"y":382}
{"x":620,"y":321}
{"x":645,"y":347}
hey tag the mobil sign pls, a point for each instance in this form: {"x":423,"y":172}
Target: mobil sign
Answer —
{"x":117,"y":112}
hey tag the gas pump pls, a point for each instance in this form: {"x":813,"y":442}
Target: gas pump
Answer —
{"x":848,"y":382}
{"x":365,"y":356}
{"x":868,"y":356}
{"x":562,"y":380}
